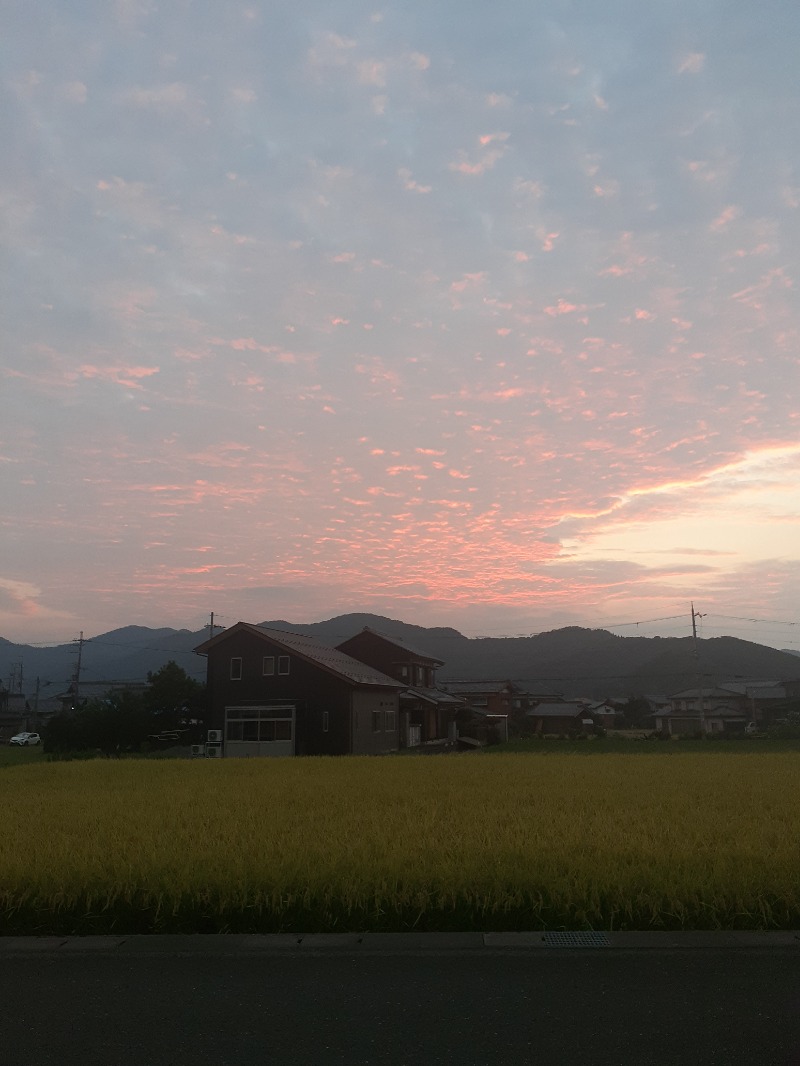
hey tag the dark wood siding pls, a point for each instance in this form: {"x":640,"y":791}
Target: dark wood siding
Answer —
{"x":311,"y":688}
{"x":381,"y":654}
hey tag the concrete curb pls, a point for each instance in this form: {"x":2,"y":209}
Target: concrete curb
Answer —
{"x":395,"y":943}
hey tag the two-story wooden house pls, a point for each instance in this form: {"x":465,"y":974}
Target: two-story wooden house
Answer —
{"x":428,"y":712}
{"x":277,"y":693}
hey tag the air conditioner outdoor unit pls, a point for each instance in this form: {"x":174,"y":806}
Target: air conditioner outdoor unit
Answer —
{"x":215,"y":736}
{"x":198,"y":751}
{"x":213,"y":751}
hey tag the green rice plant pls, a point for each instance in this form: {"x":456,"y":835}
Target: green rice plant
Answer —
{"x":305,"y":845}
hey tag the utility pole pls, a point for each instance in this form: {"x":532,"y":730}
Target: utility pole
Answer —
{"x":15,"y":679}
{"x":695,"y":616}
{"x":76,"y":680}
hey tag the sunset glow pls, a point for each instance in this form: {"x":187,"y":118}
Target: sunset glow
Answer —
{"x":490,"y":323}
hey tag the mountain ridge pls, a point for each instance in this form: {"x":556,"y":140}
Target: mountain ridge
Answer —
{"x":574,"y":661}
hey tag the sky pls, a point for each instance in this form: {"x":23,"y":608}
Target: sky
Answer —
{"x":468,"y":314}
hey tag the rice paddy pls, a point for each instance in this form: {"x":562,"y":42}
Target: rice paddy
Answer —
{"x":455,"y":843}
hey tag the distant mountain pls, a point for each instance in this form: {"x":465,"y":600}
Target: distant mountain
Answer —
{"x":573,"y":661}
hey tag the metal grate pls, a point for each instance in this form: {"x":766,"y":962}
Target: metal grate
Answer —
{"x":576,"y":940}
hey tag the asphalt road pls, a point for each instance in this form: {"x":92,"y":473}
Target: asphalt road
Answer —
{"x":411,"y":1002}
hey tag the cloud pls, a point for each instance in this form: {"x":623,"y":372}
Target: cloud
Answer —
{"x":172,"y":99}
{"x":692,"y":63}
{"x":724,"y":219}
{"x":130,"y":377}
{"x":496,"y":147}
{"x":75,"y":92}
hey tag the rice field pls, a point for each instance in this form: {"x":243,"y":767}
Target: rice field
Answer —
{"x":446,"y":843}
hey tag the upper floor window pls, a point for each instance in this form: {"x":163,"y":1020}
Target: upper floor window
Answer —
{"x":283,"y":664}
{"x":236,"y":669}
{"x":268,"y":667}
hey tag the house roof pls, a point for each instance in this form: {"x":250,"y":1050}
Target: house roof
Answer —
{"x":433,"y":695}
{"x":330,"y":659}
{"x":756,"y":691}
{"x":556,"y":710}
{"x":707,"y":692}
{"x":398,"y":642}
{"x":719,"y":710}
{"x":479,"y":688}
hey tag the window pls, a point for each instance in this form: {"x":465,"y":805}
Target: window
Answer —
{"x":283,"y":664}
{"x":236,"y":669}
{"x":325,"y":721}
{"x":377,"y":721}
{"x":404,"y":673}
{"x":391,"y":721}
{"x":268,"y":665}
{"x":283,"y":729}
{"x":260,"y":724}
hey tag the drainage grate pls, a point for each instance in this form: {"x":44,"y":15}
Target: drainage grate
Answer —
{"x":576,"y":940}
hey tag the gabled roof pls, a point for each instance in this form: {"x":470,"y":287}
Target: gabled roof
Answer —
{"x":331,"y":659}
{"x":717,"y":710}
{"x":434,"y":695}
{"x":707,"y":692}
{"x":398,"y":642}
{"x":763,"y":691}
{"x":475,"y":688}
{"x":556,"y":710}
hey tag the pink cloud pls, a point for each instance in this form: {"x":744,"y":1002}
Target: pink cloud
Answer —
{"x":419,"y":61}
{"x":127,"y":376}
{"x":563,"y":308}
{"x":475,"y":168}
{"x":468,"y":281}
{"x":409,"y":184}
{"x":723,"y":220}
{"x":372,"y":72}
{"x":491,"y":138}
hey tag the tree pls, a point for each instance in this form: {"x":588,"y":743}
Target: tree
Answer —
{"x":173,"y":698}
{"x":127,"y":720}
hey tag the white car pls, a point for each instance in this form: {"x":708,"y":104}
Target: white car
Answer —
{"x":23,"y":739}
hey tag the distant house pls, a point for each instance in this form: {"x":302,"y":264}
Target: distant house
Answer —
{"x":603,"y":712}
{"x":427,"y":712}
{"x":491,"y":697}
{"x":564,"y":717}
{"x":277,"y":693}
{"x":723,"y":708}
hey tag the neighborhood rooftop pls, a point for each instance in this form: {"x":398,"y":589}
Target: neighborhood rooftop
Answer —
{"x":310,"y":649}
{"x":400,"y":643}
